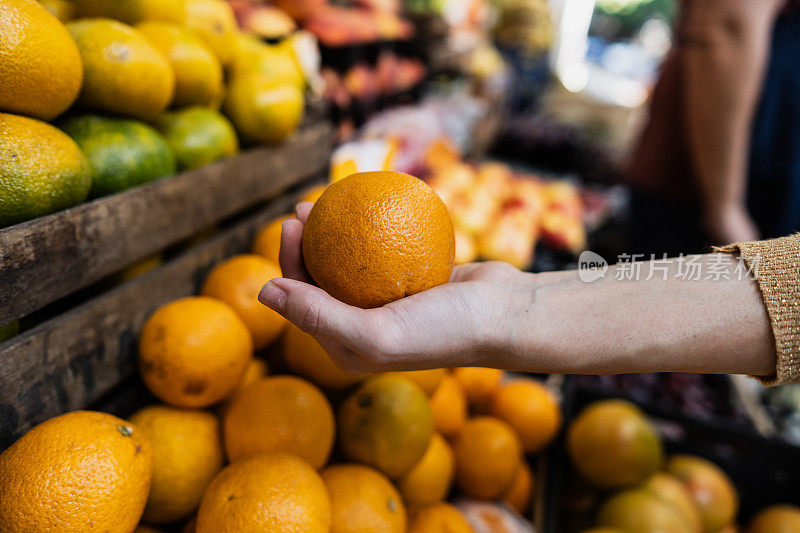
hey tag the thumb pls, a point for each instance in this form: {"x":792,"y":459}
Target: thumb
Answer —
{"x":313,"y":310}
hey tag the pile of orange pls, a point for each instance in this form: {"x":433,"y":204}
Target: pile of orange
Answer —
{"x":308,"y":446}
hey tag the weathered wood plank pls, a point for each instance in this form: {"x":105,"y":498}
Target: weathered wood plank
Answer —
{"x":50,"y":257}
{"x":75,"y":359}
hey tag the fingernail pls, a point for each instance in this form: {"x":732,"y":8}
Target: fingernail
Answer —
{"x":272,"y":296}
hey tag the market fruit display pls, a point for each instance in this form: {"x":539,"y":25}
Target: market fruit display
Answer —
{"x":198,"y":72}
{"x":613,"y":444}
{"x":41,"y":169}
{"x":187,"y":454}
{"x":198,"y":136}
{"x":193,"y":351}
{"x":374,"y":237}
{"x":122,"y":152}
{"x":385,"y":423}
{"x":80,"y":471}
{"x":363,"y":500}
{"x":122,"y":71}
{"x":280,"y":414}
{"x":36,"y":81}
{"x":156,"y":61}
{"x":500,"y":214}
{"x":272,"y":493}
{"x":237,"y":282}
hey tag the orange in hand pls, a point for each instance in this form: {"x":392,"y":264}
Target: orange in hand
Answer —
{"x":375,"y":237}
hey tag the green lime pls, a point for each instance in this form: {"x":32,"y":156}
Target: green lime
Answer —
{"x":122,"y":152}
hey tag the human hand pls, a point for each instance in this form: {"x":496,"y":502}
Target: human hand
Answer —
{"x":729,"y":223}
{"x":465,"y":322}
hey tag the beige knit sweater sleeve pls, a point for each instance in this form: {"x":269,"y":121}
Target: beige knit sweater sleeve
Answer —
{"x":776,"y":266}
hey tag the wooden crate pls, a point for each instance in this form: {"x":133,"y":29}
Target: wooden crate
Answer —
{"x":83,"y":356}
{"x":50,"y":257}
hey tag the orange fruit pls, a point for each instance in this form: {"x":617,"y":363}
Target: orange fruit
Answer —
{"x":43,"y":169}
{"x":776,"y":519}
{"x":81,"y":471}
{"x":215,"y":22}
{"x":187,"y":454}
{"x":428,"y":380}
{"x":449,"y":406}
{"x":488,"y":454}
{"x":270,"y":493}
{"x":670,"y":490}
{"x":519,"y":495}
{"x":531,"y":409}
{"x":709,"y":487}
{"x":612,"y":444}
{"x":438,"y":518}
{"x":122,"y":72}
{"x":237,"y":282}
{"x":268,"y":240}
{"x":640,"y":511}
{"x":478,"y":383}
{"x":280,"y":414}
{"x":386,"y":423}
{"x":363,"y":500}
{"x":306,"y":357}
{"x":313,"y":194}
{"x":374,"y":237}
{"x":198,"y":72}
{"x":193,"y":351}
{"x":36,"y":81}
{"x":429,"y":481}
{"x":263,"y":110}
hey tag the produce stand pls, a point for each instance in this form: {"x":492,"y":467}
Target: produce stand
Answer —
{"x":529,"y":168}
{"x":70,"y":361}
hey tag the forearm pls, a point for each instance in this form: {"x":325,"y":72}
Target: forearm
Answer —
{"x":613,"y":326}
{"x":726,"y":52}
